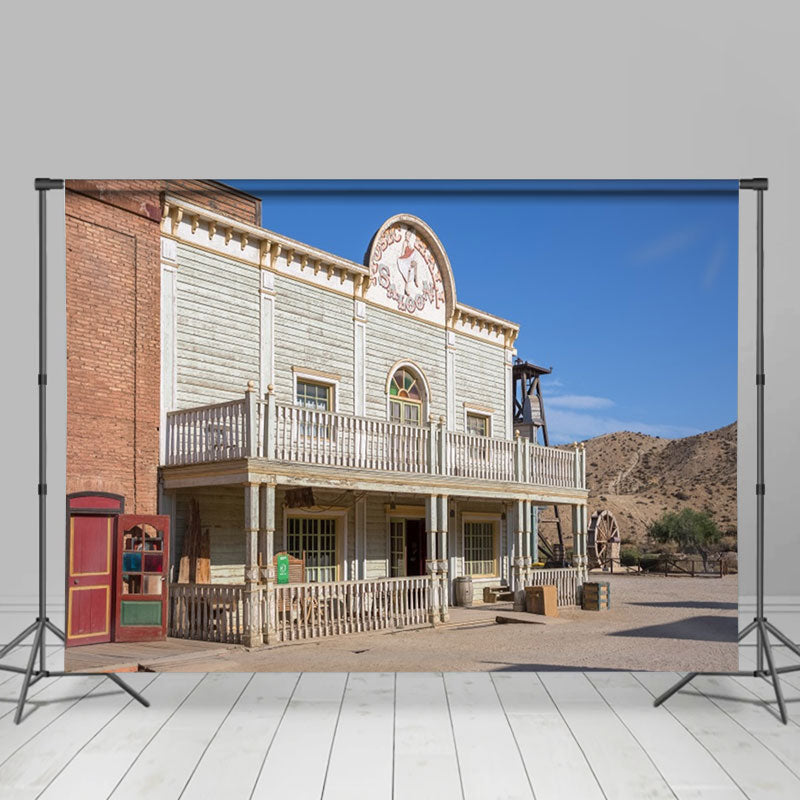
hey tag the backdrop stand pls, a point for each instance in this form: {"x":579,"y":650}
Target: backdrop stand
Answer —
{"x":39,"y":628}
{"x":760,"y":624}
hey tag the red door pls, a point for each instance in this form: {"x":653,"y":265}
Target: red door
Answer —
{"x":141,"y":585}
{"x":90,"y":565}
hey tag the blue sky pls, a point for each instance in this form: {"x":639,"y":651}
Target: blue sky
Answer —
{"x":628,"y":289}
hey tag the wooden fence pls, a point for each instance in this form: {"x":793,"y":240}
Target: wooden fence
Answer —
{"x":209,"y":433}
{"x":210,"y":612}
{"x":565,"y":579}
{"x":313,"y":610}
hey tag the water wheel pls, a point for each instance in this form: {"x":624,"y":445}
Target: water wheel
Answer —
{"x":602,"y":530}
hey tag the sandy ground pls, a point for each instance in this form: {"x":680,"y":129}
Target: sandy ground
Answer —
{"x":655,"y":623}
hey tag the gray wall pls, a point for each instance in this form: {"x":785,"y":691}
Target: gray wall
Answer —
{"x":620,"y":89}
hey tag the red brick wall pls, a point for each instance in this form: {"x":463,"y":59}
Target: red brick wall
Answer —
{"x":113,"y":346}
{"x":113,"y":329}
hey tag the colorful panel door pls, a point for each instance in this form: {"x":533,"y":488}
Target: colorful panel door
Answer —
{"x":90,"y":565}
{"x":141,"y":582}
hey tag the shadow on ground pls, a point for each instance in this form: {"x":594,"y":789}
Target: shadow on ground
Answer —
{"x":690,"y":604}
{"x":706,"y":628}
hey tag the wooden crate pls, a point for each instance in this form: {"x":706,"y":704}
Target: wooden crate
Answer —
{"x":596,"y":596}
{"x":542,"y":600}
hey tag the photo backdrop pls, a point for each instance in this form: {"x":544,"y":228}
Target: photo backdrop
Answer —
{"x":380,"y":418}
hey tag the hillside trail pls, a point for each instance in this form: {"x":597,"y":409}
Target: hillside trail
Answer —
{"x":614,"y":485}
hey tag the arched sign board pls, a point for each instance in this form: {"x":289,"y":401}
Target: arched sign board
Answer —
{"x":409,"y":270}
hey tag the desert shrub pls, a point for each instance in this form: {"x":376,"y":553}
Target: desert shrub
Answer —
{"x":628,"y":556}
{"x":692,"y":531}
{"x":650,"y":561}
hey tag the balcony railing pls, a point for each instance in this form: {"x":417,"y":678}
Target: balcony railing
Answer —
{"x":266,"y":429}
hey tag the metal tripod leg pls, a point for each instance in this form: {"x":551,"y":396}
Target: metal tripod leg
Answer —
{"x":747,"y":630}
{"x":17,"y":639}
{"x":26,"y":681}
{"x":676,"y":688}
{"x":132,"y":692}
{"x":782,"y":638}
{"x":776,"y":680}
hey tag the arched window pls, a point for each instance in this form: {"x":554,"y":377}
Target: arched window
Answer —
{"x":406,"y":396}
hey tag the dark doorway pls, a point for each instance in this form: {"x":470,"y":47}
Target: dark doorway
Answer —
{"x":416,"y":547}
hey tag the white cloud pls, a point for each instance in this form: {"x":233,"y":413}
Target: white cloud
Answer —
{"x":665,"y":246}
{"x":577,"y":401}
{"x":566,"y":426}
{"x":714,"y":265}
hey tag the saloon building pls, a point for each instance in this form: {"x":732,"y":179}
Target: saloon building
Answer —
{"x":281,"y":406}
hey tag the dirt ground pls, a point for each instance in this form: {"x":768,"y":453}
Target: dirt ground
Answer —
{"x":655,"y":623}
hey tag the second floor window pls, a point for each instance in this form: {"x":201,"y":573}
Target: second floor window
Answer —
{"x":317,"y":396}
{"x":405,"y":398}
{"x":478,"y":424}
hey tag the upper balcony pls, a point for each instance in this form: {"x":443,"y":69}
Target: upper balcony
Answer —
{"x":252,"y":428}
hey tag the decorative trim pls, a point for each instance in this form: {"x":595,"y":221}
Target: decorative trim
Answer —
{"x":308,"y":372}
{"x":316,"y":376}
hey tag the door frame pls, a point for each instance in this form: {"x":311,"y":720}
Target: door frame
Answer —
{"x":114,"y":507}
{"x":403,"y":514}
{"x":134,"y":633}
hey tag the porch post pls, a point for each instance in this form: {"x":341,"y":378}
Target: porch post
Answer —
{"x":270,"y":423}
{"x":251,"y":421}
{"x":433,"y":450}
{"x":518,"y":473}
{"x":444,"y":579}
{"x":431,"y":528}
{"x":526,"y":528}
{"x":519,"y":559}
{"x":534,"y":533}
{"x":266,"y":547}
{"x":442,"y":450}
{"x":251,"y":636}
{"x":579,"y":558}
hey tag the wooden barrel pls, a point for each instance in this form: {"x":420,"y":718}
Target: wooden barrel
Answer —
{"x":463,"y":590}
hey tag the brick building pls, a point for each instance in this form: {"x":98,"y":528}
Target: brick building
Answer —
{"x":113,"y":328}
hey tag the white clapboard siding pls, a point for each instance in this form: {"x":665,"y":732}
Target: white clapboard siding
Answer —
{"x":106,"y":756}
{"x":360,"y":764}
{"x":217,"y":328}
{"x":222,"y":512}
{"x":690,"y":771}
{"x":391,"y":338}
{"x":377,"y":555}
{"x":480,"y":379}
{"x":314,"y":330}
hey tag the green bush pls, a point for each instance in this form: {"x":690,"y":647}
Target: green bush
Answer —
{"x":650,"y":561}
{"x":628,"y":556}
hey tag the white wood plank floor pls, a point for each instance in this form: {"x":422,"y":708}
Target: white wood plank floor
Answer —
{"x":410,"y":735}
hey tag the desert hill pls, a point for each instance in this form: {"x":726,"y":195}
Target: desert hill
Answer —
{"x":639,"y":477}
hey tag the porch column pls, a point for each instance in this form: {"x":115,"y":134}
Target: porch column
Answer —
{"x":579,"y":558}
{"x":526,"y":527}
{"x":444,"y":577}
{"x":266,"y":555}
{"x":431,"y":530}
{"x":519,"y":559}
{"x":251,"y":635}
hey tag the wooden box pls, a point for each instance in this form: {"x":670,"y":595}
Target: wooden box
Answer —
{"x":596,"y":596}
{"x":541,"y":600}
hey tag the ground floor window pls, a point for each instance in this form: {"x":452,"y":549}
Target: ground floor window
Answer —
{"x":480,"y":551}
{"x":314,"y":539}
